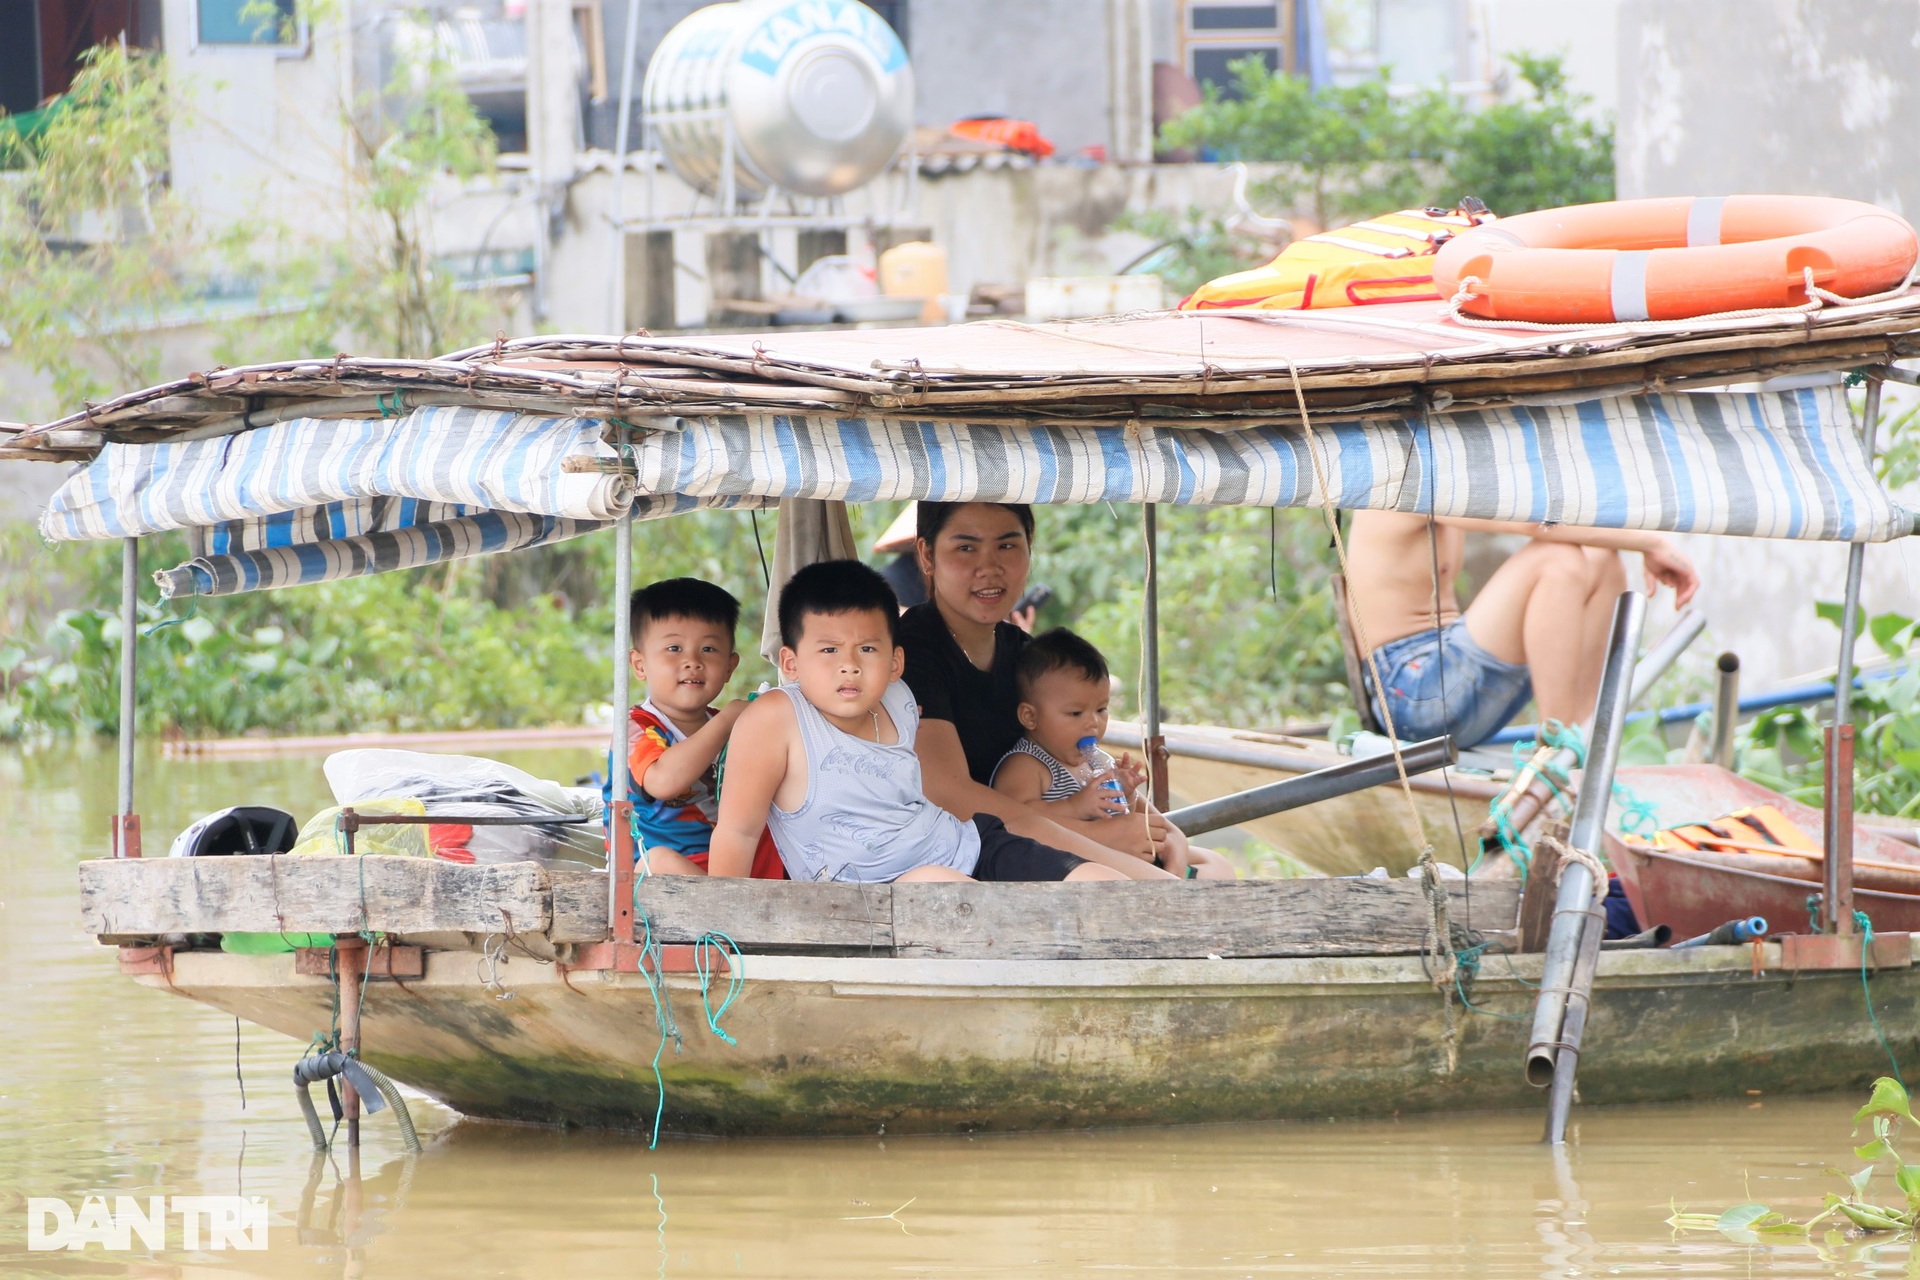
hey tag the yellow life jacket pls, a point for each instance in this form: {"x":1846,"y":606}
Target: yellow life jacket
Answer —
{"x":1383,"y":259}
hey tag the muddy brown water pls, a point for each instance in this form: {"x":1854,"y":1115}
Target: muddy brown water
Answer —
{"x":107,"y":1088}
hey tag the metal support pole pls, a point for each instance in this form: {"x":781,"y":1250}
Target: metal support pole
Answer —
{"x":126,"y":823}
{"x":1836,"y":914}
{"x":350,"y":956}
{"x":1726,"y":710}
{"x":617,"y":254}
{"x":1155,"y":744}
{"x":1685,"y":630}
{"x":1836,"y":870}
{"x":620,"y":851}
{"x":1311,"y":788}
{"x":1559,"y":1016}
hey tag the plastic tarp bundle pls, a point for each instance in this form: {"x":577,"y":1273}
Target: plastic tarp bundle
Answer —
{"x":311,"y":501}
{"x":379,"y":780}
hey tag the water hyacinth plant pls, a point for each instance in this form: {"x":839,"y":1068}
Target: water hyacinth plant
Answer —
{"x":1754,"y":1223}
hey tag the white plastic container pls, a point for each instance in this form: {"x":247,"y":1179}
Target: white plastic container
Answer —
{"x":819,"y":94}
{"x":1077,"y":297}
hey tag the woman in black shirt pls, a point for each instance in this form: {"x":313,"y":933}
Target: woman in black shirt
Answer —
{"x":960,"y":652}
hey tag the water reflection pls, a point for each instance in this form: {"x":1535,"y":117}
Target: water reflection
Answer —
{"x":109,"y":1088}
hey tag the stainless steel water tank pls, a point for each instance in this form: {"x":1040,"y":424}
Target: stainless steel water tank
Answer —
{"x":819,"y":94}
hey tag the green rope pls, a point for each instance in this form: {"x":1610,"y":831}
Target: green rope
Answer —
{"x":390,"y":410}
{"x":662,"y":1012}
{"x":710,"y":943}
{"x":1866,"y":945}
{"x":1554,"y":736}
{"x":193,"y":610}
{"x":1467,"y":960}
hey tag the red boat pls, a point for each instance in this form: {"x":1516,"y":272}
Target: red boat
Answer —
{"x":1692,"y":892}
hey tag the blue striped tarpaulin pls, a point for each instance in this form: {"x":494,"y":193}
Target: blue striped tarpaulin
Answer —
{"x":308,"y":501}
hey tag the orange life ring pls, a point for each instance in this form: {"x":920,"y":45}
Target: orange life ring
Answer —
{"x":1673,"y":258}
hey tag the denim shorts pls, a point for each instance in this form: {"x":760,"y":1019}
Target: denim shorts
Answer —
{"x":1473,"y":698}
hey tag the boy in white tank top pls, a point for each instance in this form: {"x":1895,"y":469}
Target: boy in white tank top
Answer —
{"x":827,"y":760}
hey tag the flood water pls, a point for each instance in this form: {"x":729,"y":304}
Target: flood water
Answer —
{"x":107,"y":1088}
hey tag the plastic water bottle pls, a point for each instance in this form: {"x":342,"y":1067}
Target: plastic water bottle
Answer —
{"x":1116,"y":793}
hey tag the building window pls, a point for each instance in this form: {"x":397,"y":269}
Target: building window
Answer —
{"x":255,"y":22}
{"x":1215,"y":34}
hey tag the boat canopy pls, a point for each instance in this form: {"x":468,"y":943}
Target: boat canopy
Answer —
{"x":312,"y":500}
{"x":308,"y":470}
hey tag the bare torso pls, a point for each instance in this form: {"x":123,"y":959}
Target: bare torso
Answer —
{"x":1390,"y":579}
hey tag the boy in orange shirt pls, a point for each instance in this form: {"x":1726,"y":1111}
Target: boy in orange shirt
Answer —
{"x":683,"y":653}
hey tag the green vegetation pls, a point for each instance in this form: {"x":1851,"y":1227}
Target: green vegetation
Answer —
{"x":1760,"y":1224}
{"x":100,"y":253}
{"x":1784,"y":748}
{"x":522,"y":639}
{"x":92,"y":244}
{"x":1357,"y":150}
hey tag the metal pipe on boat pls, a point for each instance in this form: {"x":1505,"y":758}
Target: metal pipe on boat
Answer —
{"x":1726,"y":709}
{"x":126,"y":823}
{"x":1311,"y":788}
{"x":617,"y":253}
{"x":1257,"y":756}
{"x":1568,"y":946}
{"x":1836,"y":914}
{"x":1155,"y":745}
{"x":1686,"y":628}
{"x":620,"y":854}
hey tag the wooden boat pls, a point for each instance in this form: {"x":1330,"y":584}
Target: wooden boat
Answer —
{"x":1693,"y":892}
{"x":941,"y":1008}
{"x":515,"y":991}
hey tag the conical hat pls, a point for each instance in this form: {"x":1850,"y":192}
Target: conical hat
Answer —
{"x":901,"y":533}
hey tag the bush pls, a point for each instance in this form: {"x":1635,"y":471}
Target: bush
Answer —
{"x":1361,"y":149}
{"x":1247,"y":632}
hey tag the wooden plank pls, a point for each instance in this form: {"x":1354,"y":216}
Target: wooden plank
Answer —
{"x":317,"y":893}
{"x":757,"y":914}
{"x":1543,"y":886}
{"x":1308,"y":917}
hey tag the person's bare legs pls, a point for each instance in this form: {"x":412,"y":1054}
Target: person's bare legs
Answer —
{"x":1548,"y":608}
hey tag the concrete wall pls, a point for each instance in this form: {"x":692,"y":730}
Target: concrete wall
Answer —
{"x":1798,"y":96}
{"x":1585,"y":35}
{"x":1039,"y":60}
{"x":1806,"y":96}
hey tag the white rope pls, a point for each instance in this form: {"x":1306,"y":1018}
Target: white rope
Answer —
{"x":1595,"y":868}
{"x":1817,"y":298}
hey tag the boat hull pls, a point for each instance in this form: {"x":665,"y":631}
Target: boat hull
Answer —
{"x":828,"y":1045}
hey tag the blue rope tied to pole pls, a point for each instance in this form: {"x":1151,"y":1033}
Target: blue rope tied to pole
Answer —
{"x":1553,"y":737}
{"x":1866,"y":945}
{"x":650,"y":970}
{"x":1468,"y":961}
{"x":193,"y":610}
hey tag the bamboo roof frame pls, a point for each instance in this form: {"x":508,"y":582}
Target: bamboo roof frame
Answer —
{"x":1129,"y":372}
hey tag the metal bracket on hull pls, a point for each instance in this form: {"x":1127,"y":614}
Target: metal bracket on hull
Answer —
{"x":383,"y":961}
{"x":1800,"y":952}
{"x":629,"y":957}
